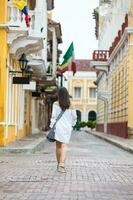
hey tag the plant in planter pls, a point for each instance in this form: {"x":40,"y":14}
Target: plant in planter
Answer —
{"x":91,"y":124}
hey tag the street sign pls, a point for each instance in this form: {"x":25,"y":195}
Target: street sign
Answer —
{"x":21,"y":80}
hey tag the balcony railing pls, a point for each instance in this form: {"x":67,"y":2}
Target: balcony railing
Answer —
{"x":15,"y":19}
{"x":100,"y":55}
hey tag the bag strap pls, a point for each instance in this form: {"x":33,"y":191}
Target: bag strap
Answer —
{"x":59,"y":116}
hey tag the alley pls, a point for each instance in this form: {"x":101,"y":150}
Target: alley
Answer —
{"x":95,"y":170}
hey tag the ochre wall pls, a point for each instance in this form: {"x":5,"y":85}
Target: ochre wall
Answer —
{"x":3,"y":11}
{"x":3,"y":86}
{"x":130,"y":72}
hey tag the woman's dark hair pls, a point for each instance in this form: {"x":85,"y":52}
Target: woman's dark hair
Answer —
{"x":63,"y":98}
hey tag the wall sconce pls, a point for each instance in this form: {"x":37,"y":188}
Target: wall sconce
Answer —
{"x":23,"y":61}
{"x":29,"y":71}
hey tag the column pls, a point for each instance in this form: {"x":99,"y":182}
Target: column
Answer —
{"x":54,"y":51}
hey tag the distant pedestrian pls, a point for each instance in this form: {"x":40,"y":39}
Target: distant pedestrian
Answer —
{"x":63,"y":127}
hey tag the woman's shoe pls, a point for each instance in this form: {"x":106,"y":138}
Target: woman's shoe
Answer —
{"x":61,"y":169}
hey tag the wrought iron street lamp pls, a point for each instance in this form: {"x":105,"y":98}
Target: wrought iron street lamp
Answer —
{"x":23,"y":61}
{"x":24,"y":67}
{"x":29,"y":70}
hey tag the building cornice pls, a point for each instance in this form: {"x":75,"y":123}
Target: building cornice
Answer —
{"x":4,"y":26}
{"x":128,"y":30}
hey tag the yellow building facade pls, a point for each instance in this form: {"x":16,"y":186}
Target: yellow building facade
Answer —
{"x":3,"y":71}
{"x":20,"y":111}
{"x":114,"y":62}
{"x":13,"y":107}
{"x":83,"y":90}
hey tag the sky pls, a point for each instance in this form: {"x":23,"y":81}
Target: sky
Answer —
{"x":77,"y":25}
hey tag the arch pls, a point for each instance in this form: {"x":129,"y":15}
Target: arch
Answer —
{"x":92,"y":115}
{"x":78,"y":115}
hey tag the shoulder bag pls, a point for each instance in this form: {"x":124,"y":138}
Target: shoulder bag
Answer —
{"x":51,"y":134}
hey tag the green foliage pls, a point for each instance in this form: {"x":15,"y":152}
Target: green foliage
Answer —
{"x":82,"y":124}
{"x":91,"y":124}
{"x":77,"y":126}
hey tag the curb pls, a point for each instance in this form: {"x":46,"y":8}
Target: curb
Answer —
{"x":112,"y":141}
{"x":29,"y":149}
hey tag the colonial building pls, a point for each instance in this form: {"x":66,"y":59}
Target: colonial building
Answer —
{"x":83,"y":90}
{"x":114,"y":60}
{"x":28,"y":47}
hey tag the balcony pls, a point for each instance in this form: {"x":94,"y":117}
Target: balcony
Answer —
{"x":16,"y":21}
{"x":14,"y":17}
{"x":100,"y":55}
{"x":38,"y":65}
{"x":100,"y":60}
{"x":26,"y":38}
{"x":105,"y":2}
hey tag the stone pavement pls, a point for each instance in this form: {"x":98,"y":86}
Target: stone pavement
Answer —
{"x":126,"y":144}
{"x":96,"y":170}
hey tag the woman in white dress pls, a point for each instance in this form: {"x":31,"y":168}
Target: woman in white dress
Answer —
{"x":63,"y":127}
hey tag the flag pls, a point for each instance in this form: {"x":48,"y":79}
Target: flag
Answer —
{"x":68,"y":63}
{"x":25,"y":10}
{"x":20,"y":4}
{"x":23,"y":6}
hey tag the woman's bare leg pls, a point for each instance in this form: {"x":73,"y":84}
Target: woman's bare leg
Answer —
{"x":63,"y":154}
{"x":58,"y":151}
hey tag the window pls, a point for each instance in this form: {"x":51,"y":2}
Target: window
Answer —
{"x":92,"y":115}
{"x":92,"y":92}
{"x":77,"y":92}
{"x":78,"y":115}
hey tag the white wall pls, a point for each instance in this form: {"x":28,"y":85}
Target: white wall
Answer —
{"x":113,"y":21}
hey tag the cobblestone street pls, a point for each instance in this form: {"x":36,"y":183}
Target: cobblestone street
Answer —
{"x":95,"y":170}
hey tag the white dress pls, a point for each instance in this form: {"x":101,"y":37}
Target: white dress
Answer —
{"x":63,"y":127}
